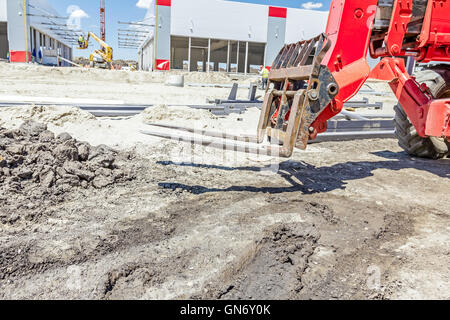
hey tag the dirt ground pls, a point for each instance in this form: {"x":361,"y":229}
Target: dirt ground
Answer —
{"x":130,"y":87}
{"x":341,"y":220}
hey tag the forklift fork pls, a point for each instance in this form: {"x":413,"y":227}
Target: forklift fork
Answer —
{"x":288,"y":109}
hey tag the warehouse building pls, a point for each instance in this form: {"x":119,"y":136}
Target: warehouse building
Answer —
{"x":220,"y":35}
{"x":42,"y":30}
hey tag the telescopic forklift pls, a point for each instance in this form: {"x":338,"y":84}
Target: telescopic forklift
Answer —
{"x":310,"y":81}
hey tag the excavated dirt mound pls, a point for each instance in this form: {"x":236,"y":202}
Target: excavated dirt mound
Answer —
{"x":13,"y":117}
{"x":176,"y":113}
{"x":36,"y":167}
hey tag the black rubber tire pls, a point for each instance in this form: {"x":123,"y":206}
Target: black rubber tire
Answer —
{"x":438,"y":81}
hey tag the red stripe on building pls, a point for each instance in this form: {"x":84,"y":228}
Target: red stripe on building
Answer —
{"x":277,"y":12}
{"x":166,"y":3}
{"x":19,"y":56}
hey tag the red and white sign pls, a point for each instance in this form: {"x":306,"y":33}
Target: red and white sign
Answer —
{"x":277,"y":12}
{"x":162,"y":64}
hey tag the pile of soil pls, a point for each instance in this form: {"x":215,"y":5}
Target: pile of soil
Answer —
{"x":36,"y":167}
{"x":177,"y":114}
{"x":59,"y":116}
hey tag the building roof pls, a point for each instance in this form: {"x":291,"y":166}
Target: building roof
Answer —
{"x":230,"y":20}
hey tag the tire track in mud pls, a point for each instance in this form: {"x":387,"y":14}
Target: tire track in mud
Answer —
{"x":272,"y":268}
{"x":23,"y":258}
{"x":362,"y":268}
{"x":16,"y":261}
{"x":26,"y":259}
{"x":283,"y":254}
{"x":292,"y":246}
{"x":353,"y":236}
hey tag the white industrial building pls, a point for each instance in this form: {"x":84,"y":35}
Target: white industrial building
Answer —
{"x":220,"y":35}
{"x":42,"y":29}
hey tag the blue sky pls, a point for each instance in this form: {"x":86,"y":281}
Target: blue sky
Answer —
{"x":126,"y":10}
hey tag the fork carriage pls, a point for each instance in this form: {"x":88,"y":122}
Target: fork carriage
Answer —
{"x":299,"y":89}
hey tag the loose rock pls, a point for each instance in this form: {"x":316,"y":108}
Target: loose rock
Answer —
{"x":36,"y":166}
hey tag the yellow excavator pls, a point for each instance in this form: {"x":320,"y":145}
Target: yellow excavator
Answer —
{"x":99,"y":58}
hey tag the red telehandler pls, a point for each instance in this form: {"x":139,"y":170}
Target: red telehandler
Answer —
{"x":311,"y":80}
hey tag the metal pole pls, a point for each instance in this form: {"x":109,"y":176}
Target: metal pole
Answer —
{"x":237,"y":58}
{"x":410,"y":65}
{"x":209,"y":54}
{"x":265,"y":52}
{"x":32,"y":41}
{"x":25,"y":28}
{"x":155,"y":35}
{"x":228,"y":57}
{"x":189,"y":54}
{"x":68,"y":61}
{"x":246,"y":56}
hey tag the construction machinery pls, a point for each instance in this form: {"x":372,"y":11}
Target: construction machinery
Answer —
{"x":100,"y":57}
{"x":310,"y":81}
{"x":102,"y":20}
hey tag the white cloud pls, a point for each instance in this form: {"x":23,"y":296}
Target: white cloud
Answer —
{"x":312,"y":5}
{"x":75,"y":16}
{"x":76,"y":13}
{"x":79,"y":14}
{"x":144,"y":4}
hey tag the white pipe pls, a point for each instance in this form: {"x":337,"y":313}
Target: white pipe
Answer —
{"x":68,"y":61}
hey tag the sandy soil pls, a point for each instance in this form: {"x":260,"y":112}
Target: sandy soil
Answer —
{"x":341,"y":220}
{"x":130,"y":87}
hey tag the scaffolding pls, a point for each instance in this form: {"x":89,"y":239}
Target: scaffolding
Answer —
{"x":134,"y":34}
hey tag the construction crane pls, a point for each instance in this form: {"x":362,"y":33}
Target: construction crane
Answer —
{"x":102,"y":20}
{"x":100,"y":57}
{"x":310,"y":81}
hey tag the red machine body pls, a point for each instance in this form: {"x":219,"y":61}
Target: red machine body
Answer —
{"x":350,"y":30}
{"x":310,"y":80}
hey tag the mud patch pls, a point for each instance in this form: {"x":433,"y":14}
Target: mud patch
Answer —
{"x":128,"y":281}
{"x":274,"y":267}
